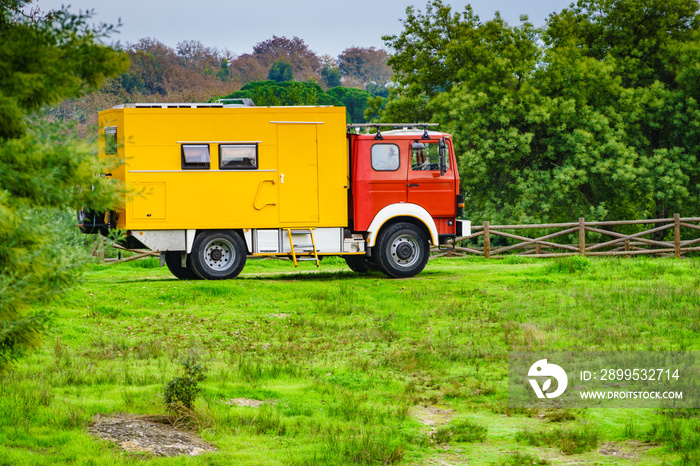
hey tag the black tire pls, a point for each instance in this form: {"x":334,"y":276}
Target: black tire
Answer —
{"x":173,"y":261}
{"x":358,"y":264}
{"x":402,"y":250}
{"x":218,"y":255}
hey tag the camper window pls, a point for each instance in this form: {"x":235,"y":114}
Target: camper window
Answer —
{"x":238,"y":156}
{"x":111,"y":140}
{"x":195,"y":156}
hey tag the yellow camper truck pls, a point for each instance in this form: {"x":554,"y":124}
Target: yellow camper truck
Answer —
{"x":213,"y":183}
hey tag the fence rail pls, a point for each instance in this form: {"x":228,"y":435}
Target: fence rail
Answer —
{"x":619,"y":245}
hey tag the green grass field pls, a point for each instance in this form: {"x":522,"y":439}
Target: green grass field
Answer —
{"x":359,"y":369}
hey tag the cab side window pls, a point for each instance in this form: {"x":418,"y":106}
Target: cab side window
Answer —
{"x":426,"y":156}
{"x":385,"y":157}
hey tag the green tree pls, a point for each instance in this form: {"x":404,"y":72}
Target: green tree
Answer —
{"x":44,"y":57}
{"x":280,"y":71}
{"x":271,"y":93}
{"x":330,"y":76}
{"x":355,"y":101}
{"x":591,"y":115}
{"x":224,"y":72}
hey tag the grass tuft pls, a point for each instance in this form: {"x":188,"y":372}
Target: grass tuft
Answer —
{"x":570,"y":441}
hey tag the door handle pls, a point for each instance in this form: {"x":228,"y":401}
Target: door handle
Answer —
{"x":282,"y":178}
{"x":413,"y":185}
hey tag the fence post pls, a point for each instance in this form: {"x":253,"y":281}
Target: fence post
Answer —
{"x":487,"y":241}
{"x":582,"y":236}
{"x":677,"y":234}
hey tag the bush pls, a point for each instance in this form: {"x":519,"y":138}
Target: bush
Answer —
{"x":183,"y":391}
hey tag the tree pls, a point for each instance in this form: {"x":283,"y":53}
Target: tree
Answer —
{"x":197,"y":56}
{"x":364,"y":65}
{"x":280,"y":71}
{"x":355,"y":101}
{"x":305,"y":63}
{"x":272,"y":93}
{"x":589,"y":116}
{"x":330,"y":76}
{"x":43,"y":58}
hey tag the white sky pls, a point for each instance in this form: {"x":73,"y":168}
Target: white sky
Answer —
{"x":327,"y":27}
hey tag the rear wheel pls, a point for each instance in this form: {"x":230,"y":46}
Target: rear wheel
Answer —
{"x":173,"y":260}
{"x":402,"y":250}
{"x":218,"y":255}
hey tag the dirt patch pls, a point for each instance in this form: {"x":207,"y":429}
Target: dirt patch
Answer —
{"x":629,"y":450}
{"x":145,"y":434}
{"x":432,"y":415}
{"x":249,"y":403}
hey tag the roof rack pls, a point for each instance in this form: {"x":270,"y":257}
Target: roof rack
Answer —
{"x":378,"y":126}
{"x":236,"y":102}
{"x":221,"y":103}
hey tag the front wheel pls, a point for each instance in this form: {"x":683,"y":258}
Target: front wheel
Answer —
{"x":218,"y":255}
{"x":402,"y":250}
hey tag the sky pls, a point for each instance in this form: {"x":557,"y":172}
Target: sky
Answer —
{"x":327,"y":27}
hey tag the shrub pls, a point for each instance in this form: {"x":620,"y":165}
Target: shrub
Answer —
{"x":183,"y":391}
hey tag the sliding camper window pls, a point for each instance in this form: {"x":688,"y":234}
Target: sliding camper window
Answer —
{"x":110,"y":140}
{"x":238,"y":156}
{"x":385,"y":157}
{"x":195,"y":156}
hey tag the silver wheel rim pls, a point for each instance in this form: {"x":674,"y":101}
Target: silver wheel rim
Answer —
{"x":219,"y":255}
{"x":404,"y":251}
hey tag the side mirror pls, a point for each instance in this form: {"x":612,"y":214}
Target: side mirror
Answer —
{"x":442,"y":149}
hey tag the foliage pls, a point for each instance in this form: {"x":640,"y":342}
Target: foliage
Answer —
{"x":377,"y":89}
{"x":271,"y":93}
{"x":354,"y":100}
{"x":254,"y":66}
{"x":157,"y":73}
{"x":360,"y":66}
{"x":375,"y":107}
{"x":184,"y":390}
{"x":280,"y":71}
{"x":264,"y":93}
{"x":43,"y":58}
{"x":591,"y":116}
{"x":330,"y":76}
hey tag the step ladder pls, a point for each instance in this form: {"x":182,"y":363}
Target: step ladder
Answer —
{"x":302,"y":251}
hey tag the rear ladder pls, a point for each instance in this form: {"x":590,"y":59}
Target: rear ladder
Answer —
{"x":307,"y":249}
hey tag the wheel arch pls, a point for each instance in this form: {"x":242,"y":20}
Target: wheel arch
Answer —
{"x":409,"y":213}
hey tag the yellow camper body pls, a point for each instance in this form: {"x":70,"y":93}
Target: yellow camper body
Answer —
{"x":217,"y":167}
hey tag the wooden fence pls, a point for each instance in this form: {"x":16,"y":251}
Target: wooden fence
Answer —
{"x":619,"y":244}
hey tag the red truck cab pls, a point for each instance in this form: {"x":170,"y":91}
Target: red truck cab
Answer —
{"x":409,"y":177}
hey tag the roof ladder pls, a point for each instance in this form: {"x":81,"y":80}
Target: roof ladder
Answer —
{"x":305,"y":251}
